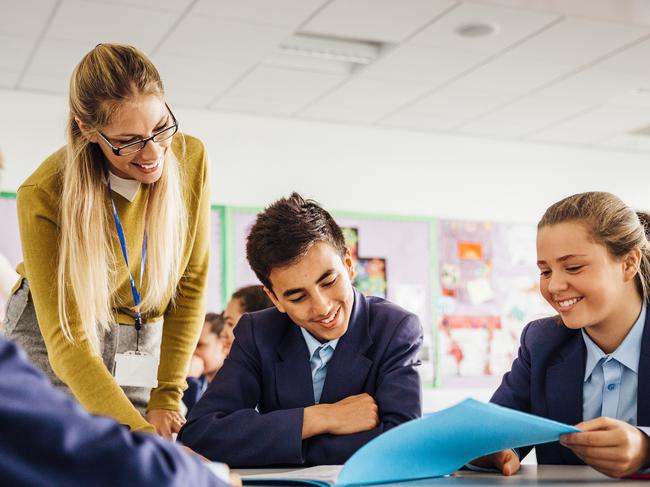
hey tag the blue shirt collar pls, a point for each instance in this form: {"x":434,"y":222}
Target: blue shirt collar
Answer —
{"x":627,"y":353}
{"x":313,"y":344}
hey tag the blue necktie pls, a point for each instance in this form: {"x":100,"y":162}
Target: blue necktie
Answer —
{"x":318,"y":363}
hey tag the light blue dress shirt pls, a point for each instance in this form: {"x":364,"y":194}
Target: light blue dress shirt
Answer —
{"x":319,"y":356}
{"x":611,"y":380}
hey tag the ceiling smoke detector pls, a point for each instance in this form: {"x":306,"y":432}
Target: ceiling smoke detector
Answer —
{"x":474,"y":30}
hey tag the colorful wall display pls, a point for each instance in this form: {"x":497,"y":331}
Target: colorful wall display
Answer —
{"x":488,"y":283}
{"x":370,"y":272}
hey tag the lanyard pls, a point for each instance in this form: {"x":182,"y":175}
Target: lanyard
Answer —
{"x":134,"y":289}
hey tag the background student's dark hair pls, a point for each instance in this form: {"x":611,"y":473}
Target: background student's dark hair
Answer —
{"x":252,"y":298}
{"x":285,"y":231}
{"x":215,"y":320}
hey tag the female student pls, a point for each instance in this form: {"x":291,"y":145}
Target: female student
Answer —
{"x":591,"y":364}
{"x":114,"y":229}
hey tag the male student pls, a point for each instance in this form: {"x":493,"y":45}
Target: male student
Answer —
{"x":46,"y":438}
{"x":311,"y":380}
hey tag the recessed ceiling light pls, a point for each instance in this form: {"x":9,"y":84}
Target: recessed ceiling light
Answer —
{"x":477,"y":29}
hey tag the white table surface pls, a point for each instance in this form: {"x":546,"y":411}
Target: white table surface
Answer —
{"x":556,"y":475}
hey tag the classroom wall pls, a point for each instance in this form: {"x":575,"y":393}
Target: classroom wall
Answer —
{"x":256,"y":159}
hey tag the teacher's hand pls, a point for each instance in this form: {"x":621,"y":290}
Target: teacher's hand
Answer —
{"x":166,"y":422}
{"x":611,"y":446}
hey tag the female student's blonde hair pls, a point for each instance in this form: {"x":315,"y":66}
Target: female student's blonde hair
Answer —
{"x":106,"y":78}
{"x":610,"y":223}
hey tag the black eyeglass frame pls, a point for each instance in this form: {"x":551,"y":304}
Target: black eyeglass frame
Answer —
{"x":117,"y":150}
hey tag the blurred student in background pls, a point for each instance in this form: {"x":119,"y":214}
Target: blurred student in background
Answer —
{"x":245,"y":300}
{"x":211,"y":350}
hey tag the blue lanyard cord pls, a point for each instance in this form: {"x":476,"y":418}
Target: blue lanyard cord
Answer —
{"x":134,"y":288}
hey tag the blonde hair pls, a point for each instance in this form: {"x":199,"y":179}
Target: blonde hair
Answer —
{"x":106,"y":77}
{"x":610,"y":223}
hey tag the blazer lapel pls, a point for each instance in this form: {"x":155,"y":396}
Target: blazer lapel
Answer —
{"x":564,"y":383}
{"x":294,"y":386}
{"x":643,"y":390}
{"x":348,"y":368}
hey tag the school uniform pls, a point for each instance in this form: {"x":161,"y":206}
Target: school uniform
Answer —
{"x":46,"y":438}
{"x":252,"y":413}
{"x":561,"y":374}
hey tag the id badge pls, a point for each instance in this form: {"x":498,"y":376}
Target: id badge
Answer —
{"x":136,"y":369}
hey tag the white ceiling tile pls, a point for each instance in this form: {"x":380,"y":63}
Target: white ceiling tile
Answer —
{"x":576,"y":41}
{"x":223,"y":40}
{"x":8,"y":79}
{"x":633,"y":60}
{"x":593,"y":86}
{"x":375,"y":20}
{"x":200,"y":74}
{"x":58,"y":84}
{"x":453,"y":104}
{"x":58,"y":57}
{"x":326,"y":113}
{"x":493,"y":130}
{"x":532,"y":114}
{"x":94,"y":22}
{"x":284,"y":85}
{"x":512,"y":26}
{"x":25,"y":17}
{"x":514,"y":76}
{"x":570,"y":135}
{"x":381,"y":96}
{"x":423,"y":64}
{"x":182,"y":97}
{"x":418,"y":122}
{"x":264,"y":107}
{"x":165,"y":5}
{"x":623,"y":11}
{"x":14,"y":52}
{"x":627,"y":141}
{"x":283,"y":13}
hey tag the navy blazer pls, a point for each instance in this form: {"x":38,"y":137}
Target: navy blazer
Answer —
{"x":547,"y":380}
{"x":46,"y":438}
{"x":252,"y":413}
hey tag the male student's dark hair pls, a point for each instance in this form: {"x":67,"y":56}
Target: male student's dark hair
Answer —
{"x":215,"y":320}
{"x":285,"y":231}
{"x":252,"y":298}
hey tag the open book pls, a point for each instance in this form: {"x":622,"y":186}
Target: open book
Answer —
{"x":432,"y":446}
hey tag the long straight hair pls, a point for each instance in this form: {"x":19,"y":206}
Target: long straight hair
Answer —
{"x":107,"y":77}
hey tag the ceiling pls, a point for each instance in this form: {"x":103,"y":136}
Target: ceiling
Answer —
{"x":556,"y":71}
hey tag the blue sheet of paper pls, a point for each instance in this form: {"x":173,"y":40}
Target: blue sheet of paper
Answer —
{"x":445,"y":441}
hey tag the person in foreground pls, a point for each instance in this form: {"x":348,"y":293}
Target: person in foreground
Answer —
{"x":47,"y":438}
{"x":326,"y":370}
{"x":589,"y":366}
{"x":114,"y":229}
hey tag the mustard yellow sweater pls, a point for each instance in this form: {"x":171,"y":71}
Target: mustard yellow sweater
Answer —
{"x":38,"y":201}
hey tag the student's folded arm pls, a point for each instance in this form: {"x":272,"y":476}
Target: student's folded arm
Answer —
{"x":226,"y":426}
{"x":68,"y":446}
{"x":514,"y":391}
{"x":398,"y":396}
{"x":184,"y":317}
{"x":82,"y":370}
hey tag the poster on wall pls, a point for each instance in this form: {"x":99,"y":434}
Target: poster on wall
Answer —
{"x":370,"y":272}
{"x":488,"y":292}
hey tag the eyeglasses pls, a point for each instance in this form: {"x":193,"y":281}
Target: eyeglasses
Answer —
{"x":138,"y":145}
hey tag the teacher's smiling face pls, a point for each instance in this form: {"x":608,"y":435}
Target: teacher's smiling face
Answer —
{"x":137,"y":119}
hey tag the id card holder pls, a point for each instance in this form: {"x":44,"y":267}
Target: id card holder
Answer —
{"x":136,"y":369}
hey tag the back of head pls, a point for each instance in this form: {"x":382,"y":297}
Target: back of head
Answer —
{"x":252,"y":298}
{"x":216,"y":323}
{"x":285,"y":231}
{"x":610,"y":222}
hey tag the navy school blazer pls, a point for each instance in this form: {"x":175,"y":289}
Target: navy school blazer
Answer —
{"x":252,"y":413}
{"x":47,"y":438}
{"x":547,"y":380}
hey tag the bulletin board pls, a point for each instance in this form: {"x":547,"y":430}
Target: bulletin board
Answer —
{"x":488,"y":291}
{"x":402,"y":246}
{"x":10,"y":247}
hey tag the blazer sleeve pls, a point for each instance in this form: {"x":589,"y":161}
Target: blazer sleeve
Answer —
{"x":68,"y":446}
{"x":226,"y":425}
{"x":398,"y":396}
{"x":514,"y":391}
